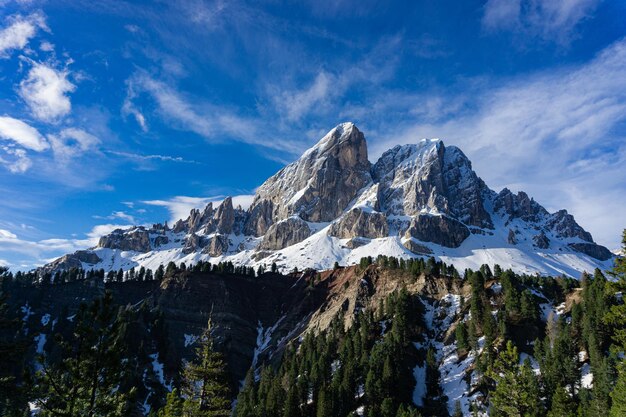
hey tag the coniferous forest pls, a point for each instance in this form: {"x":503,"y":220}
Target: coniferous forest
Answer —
{"x":522,"y":345}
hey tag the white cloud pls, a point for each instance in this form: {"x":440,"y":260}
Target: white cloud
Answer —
{"x":72,"y":142}
{"x":42,"y":250}
{"x":118,"y":215}
{"x":22,"y":134}
{"x":45,"y":91}
{"x":551,"y":20}
{"x":329,"y":87}
{"x":18,"y":33}
{"x":15,"y":160}
{"x":296,"y":104}
{"x":129,"y":108}
{"x":180,"y":206}
{"x":140,"y":157}
{"x":214,"y":123}
{"x":5,"y":234}
{"x":46,"y":46}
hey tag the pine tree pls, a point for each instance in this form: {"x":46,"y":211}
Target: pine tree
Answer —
{"x":85,"y":380}
{"x":12,"y":350}
{"x":205,"y":383}
{"x":617,"y":318}
{"x":517,"y":391}
{"x":562,"y":404}
{"x":173,"y":405}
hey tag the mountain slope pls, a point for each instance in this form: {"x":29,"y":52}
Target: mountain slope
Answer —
{"x":332,"y":205}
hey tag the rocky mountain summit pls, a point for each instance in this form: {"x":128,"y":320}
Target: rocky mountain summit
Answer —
{"x":333,"y":205}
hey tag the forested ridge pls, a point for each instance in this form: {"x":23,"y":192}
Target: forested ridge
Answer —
{"x":483,"y":342}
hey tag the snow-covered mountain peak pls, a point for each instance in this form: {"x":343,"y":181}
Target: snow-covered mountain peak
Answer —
{"x":331,"y":205}
{"x":341,"y":133}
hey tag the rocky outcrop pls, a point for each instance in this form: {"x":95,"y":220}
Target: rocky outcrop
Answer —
{"x":160,"y":241}
{"x":74,"y":260}
{"x":541,"y":241}
{"x":595,"y":251}
{"x":356,"y":242}
{"x":193,"y":243}
{"x":224,"y":217}
{"x":441,"y":230}
{"x":430,"y":176}
{"x":518,"y":206}
{"x":259,"y":218}
{"x":417,"y":248}
{"x":136,"y":239}
{"x":511,"y":238}
{"x":285,"y":233}
{"x":319,"y":185}
{"x":361,"y":223}
{"x":217,"y":245}
{"x":564,"y":226}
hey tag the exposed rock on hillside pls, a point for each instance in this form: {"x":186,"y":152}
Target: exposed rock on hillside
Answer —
{"x":285,"y":233}
{"x":361,"y":223}
{"x":441,"y":230}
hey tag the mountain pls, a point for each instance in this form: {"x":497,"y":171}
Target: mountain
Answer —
{"x":333,"y":205}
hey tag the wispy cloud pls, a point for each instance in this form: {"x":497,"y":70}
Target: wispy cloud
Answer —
{"x":328,"y":89}
{"x":46,"y":90}
{"x":19,"y":31}
{"x":72,"y":142}
{"x":22,"y":133}
{"x":212,"y":122}
{"x":140,"y":157}
{"x":40,"y":251}
{"x":550,"y":20}
{"x":17,"y":132}
{"x":121,"y":215}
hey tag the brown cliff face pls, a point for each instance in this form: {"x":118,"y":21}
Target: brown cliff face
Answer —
{"x":240,"y":306}
{"x":319,"y":185}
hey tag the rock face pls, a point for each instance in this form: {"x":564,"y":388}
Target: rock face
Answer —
{"x":136,"y":239}
{"x":217,"y":245}
{"x":541,"y":241}
{"x":193,"y":243}
{"x":428,"y":176}
{"x":519,"y":206}
{"x":511,"y":239}
{"x":441,"y":230}
{"x":595,"y":251}
{"x":74,"y":260}
{"x":260,"y":218}
{"x":417,"y":248}
{"x":563,"y":225}
{"x":225,"y":217}
{"x":359,"y":223}
{"x":285,"y":233}
{"x":319,"y":185}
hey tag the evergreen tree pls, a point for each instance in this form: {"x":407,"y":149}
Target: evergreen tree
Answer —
{"x":12,"y":350}
{"x":617,"y":318}
{"x":85,"y":380}
{"x":205,"y":384}
{"x":562,"y":404}
{"x":516,"y":392}
{"x":173,"y":405}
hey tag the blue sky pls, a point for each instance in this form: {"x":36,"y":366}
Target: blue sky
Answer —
{"x":114,"y":113}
